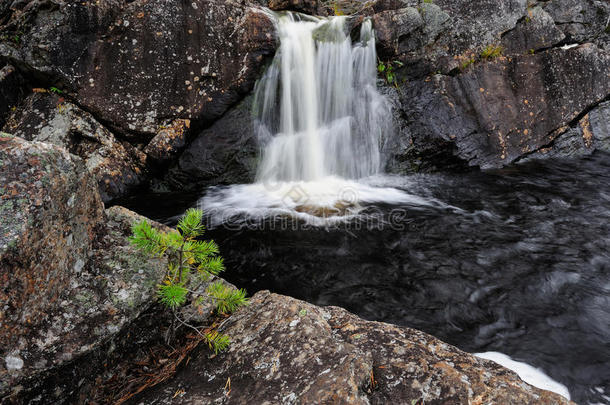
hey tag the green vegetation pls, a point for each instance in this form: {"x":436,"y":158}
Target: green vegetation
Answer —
{"x":386,"y":69}
{"x":491,"y":52}
{"x":55,"y":90}
{"x":191,"y":263}
{"x":464,"y":65}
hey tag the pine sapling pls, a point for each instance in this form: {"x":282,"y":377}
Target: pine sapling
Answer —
{"x":191,"y":263}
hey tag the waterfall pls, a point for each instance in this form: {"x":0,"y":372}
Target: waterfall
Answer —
{"x":321,"y":124}
{"x":317,"y":109}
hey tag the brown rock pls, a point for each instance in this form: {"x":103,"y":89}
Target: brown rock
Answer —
{"x":168,"y":142}
{"x":287,"y":351}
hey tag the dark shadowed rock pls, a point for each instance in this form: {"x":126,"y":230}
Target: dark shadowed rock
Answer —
{"x":287,"y":351}
{"x":498,"y":111}
{"x":225,"y":153}
{"x":45,"y":117}
{"x":139,"y":65}
{"x":311,"y":7}
{"x":11,"y":90}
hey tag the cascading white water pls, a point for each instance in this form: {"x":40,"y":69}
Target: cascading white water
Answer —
{"x":321,"y":124}
{"x":318,"y":110}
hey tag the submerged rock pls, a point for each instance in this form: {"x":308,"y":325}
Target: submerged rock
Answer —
{"x":287,"y":351}
{"x":117,"y":166}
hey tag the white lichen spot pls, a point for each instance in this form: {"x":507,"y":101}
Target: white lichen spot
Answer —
{"x":126,"y":23}
{"x":13,"y":362}
{"x":194,"y":5}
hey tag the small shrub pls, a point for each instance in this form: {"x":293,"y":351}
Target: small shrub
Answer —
{"x":55,"y":90}
{"x":491,"y":52}
{"x":465,"y":64}
{"x":386,"y":69}
{"x":191,"y":262}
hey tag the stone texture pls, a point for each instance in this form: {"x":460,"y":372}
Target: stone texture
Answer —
{"x":498,"y":111}
{"x":591,"y":133}
{"x":11,"y":90}
{"x":168,"y":142}
{"x":70,"y":280}
{"x":139,"y":65}
{"x":535,"y":31}
{"x":117,"y":166}
{"x":311,"y":7}
{"x":225,"y":153}
{"x":582,"y":20}
{"x":287,"y":351}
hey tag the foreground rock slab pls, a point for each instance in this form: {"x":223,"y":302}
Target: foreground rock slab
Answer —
{"x":70,"y":280}
{"x":288,"y":351}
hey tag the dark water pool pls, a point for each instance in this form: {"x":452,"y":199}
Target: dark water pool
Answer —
{"x":520,"y":265}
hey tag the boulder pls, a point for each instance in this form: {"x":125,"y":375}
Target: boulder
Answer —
{"x":139,"y":65}
{"x":225,"y":153}
{"x":498,"y":111}
{"x":287,"y":351}
{"x":70,"y":280}
{"x":117,"y":166}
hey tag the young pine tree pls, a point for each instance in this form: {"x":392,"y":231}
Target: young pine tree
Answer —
{"x":191,"y":263}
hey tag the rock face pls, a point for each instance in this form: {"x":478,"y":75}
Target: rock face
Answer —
{"x":498,"y":111}
{"x":139,"y":65}
{"x":70,"y":281}
{"x":45,"y":117}
{"x":288,"y":351}
{"x":459,"y":104}
{"x":225,"y":153}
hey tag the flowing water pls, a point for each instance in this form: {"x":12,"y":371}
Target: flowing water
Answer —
{"x":515,"y":261}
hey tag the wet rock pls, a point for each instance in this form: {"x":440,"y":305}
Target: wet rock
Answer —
{"x":139,"y":65}
{"x":225,"y":153}
{"x":70,"y":280}
{"x":168,"y":142}
{"x":498,"y":111}
{"x":118,"y":167}
{"x":287,"y":351}
{"x":11,"y":90}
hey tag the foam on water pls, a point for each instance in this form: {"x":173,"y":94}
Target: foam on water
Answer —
{"x":531,"y":375}
{"x":328,"y":200}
